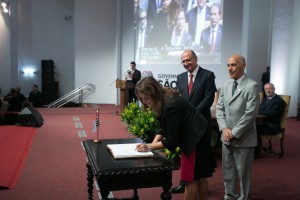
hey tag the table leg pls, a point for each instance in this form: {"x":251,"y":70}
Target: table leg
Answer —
{"x":135,"y":194}
{"x":166,"y":195}
{"x":90,"y":178}
{"x":104,"y":194}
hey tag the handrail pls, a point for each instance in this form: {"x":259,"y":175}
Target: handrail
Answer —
{"x":77,"y":93}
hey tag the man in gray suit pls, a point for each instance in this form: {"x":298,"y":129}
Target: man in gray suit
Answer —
{"x":236,"y":111}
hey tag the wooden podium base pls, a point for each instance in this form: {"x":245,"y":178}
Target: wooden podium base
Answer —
{"x":124,"y":87}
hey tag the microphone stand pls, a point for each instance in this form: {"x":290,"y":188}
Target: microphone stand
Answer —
{"x":120,"y":77}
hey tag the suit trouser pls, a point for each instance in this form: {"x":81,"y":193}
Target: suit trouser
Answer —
{"x":237,"y":165}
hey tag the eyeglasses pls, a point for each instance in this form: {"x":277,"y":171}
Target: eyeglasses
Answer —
{"x":231,"y":64}
{"x":186,"y":61}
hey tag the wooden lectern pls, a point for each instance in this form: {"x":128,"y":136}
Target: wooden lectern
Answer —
{"x":124,"y":86}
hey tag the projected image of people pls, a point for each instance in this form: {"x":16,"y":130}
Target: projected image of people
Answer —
{"x":210,"y":41}
{"x":177,"y":25}
{"x":180,"y":37}
{"x":143,"y":32}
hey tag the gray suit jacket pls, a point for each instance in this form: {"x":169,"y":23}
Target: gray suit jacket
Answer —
{"x":239,"y":111}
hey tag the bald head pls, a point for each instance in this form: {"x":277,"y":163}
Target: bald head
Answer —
{"x":236,"y":66}
{"x":189,"y":60}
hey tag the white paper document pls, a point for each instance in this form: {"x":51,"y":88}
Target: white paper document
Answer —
{"x":120,"y":151}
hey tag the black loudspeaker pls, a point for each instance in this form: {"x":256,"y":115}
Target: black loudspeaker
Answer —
{"x":30,"y":117}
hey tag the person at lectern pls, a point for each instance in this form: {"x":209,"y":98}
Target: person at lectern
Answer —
{"x":181,"y":125}
{"x":134,"y":76}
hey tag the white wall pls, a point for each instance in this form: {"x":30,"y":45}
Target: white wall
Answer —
{"x":95,"y":48}
{"x":5,"y":53}
{"x":40,"y":31}
{"x":285,"y":59}
{"x":257,"y":37}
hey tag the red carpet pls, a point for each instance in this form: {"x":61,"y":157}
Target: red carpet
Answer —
{"x":55,"y":167}
{"x":15,"y":144}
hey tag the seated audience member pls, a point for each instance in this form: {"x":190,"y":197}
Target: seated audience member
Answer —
{"x":35,"y":97}
{"x":22,"y":98}
{"x":271,"y":106}
{"x":12,"y":100}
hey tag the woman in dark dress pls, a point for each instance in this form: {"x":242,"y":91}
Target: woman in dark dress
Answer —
{"x":183,"y":126}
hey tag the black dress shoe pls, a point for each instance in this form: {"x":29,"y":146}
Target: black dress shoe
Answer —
{"x":179,"y":189}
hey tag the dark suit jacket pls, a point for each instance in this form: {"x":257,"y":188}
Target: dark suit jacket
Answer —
{"x":265,"y":78}
{"x":135,"y":78}
{"x":205,"y":40}
{"x":203,"y":91}
{"x":35,"y":98}
{"x":273,"y":110}
{"x":181,"y":124}
{"x":192,"y":19}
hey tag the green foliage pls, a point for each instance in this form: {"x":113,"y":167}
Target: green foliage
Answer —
{"x":130,"y":112}
{"x":143,"y":124}
{"x":172,"y":155}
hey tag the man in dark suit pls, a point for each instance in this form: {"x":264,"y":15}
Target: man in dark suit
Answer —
{"x":180,"y":37}
{"x":35,"y":97}
{"x":133,"y":76}
{"x":236,"y":112}
{"x":271,"y":106}
{"x":201,"y":95}
{"x":211,"y":37}
{"x":265,"y":78}
{"x":198,"y":24}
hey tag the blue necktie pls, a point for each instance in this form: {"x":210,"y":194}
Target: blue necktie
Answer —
{"x":234,"y":86}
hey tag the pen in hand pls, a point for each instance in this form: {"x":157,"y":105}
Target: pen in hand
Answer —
{"x":143,"y":147}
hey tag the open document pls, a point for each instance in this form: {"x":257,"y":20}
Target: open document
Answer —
{"x":120,"y":151}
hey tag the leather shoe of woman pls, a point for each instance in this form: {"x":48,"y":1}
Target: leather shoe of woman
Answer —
{"x":179,"y":189}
